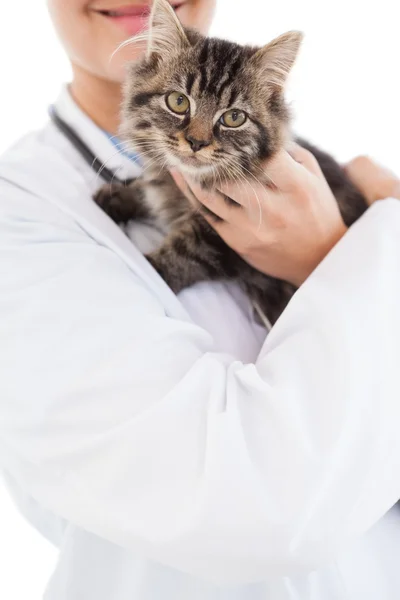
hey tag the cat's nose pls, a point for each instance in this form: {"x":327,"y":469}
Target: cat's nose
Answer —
{"x":197,"y":145}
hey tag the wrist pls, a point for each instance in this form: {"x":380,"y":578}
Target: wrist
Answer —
{"x":385,"y":188}
{"x":393,"y":189}
{"x":318,"y":256}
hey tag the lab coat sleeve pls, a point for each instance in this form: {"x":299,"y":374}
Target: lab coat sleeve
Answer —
{"x":125,"y":422}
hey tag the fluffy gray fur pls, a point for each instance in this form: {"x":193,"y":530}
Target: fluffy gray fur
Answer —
{"x":213,"y":76}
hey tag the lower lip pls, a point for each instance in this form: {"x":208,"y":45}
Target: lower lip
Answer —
{"x":131,"y":24}
{"x":134,"y":23}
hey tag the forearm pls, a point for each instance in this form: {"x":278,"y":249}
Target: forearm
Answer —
{"x":136,"y":430}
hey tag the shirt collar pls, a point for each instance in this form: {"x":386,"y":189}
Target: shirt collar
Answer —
{"x":97,"y":140}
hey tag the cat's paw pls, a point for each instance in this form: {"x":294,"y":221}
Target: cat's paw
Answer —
{"x":160,"y":261}
{"x":110,"y":199}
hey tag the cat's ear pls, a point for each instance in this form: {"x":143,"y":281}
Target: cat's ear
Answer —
{"x":166,"y":34}
{"x":276,"y":59}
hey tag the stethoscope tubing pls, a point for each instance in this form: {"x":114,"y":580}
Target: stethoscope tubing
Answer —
{"x":90,"y":158}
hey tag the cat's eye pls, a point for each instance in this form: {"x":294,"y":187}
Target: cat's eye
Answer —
{"x":178,"y":103}
{"x":233,"y":118}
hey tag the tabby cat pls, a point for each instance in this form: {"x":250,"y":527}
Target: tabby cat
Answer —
{"x":211,"y":108}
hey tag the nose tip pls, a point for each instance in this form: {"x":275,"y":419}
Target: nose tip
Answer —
{"x":197,"y":145}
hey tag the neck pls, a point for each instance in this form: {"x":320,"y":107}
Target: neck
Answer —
{"x":98,"y":98}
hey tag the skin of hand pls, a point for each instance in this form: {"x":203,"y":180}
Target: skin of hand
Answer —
{"x":283,"y":229}
{"x":374,"y":181}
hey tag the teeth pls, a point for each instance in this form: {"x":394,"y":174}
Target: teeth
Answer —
{"x":110,"y":13}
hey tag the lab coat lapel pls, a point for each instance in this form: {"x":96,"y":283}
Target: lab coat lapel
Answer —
{"x":43,"y":179}
{"x":66,"y":188}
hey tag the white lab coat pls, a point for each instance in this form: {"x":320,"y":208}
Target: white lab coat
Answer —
{"x":169,"y":447}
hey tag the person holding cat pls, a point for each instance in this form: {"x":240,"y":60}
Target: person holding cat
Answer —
{"x":168,"y":444}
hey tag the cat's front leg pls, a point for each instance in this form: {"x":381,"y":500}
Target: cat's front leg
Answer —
{"x":194,"y":252}
{"x":123,"y":203}
{"x":269,"y":295}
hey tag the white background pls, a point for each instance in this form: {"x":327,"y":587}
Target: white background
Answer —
{"x":345,"y":92}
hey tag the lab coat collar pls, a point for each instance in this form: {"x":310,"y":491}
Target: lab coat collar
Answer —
{"x":97,"y":139}
{"x":38,"y":168}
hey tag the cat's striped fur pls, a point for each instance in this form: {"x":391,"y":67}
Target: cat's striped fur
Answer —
{"x":215,"y":75}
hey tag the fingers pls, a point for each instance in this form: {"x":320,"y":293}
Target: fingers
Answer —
{"x":218,"y":203}
{"x":240,"y":206}
{"x":360,"y":173}
{"x":210,"y":205}
{"x":290,"y":169}
{"x":247,"y":194}
{"x":305,"y":158}
{"x":374,"y":181}
{"x":287,"y":172}
{"x":359,"y":165}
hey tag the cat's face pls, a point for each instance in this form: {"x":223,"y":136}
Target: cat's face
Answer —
{"x":209,"y":107}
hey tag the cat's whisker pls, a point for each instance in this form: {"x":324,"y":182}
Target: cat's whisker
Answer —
{"x":263,"y":185}
{"x":266,"y":175}
{"x":143,"y":37}
{"x":150,"y":145}
{"x":258,"y":168}
{"x":148,"y":150}
{"x":247,"y":170}
{"x":104,"y":165}
{"x":196,"y":211}
{"x":232,"y":176}
{"x":158,"y":159}
{"x":151,"y":163}
{"x":233,"y":169}
{"x":115,"y":174}
{"x":123,"y":145}
{"x":239,"y":179}
{"x":163,"y":166}
{"x":255,"y":193}
{"x":116,"y":137}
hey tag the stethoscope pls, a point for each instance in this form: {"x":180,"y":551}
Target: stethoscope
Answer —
{"x":84,"y":150}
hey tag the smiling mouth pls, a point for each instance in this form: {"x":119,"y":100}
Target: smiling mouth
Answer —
{"x":142,"y":10}
{"x":132,"y":19}
{"x":127,"y":12}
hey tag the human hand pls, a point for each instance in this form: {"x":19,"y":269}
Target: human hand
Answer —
{"x":283,"y":229}
{"x":374,"y":181}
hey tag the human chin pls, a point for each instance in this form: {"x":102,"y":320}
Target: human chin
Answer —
{"x":197,"y":14}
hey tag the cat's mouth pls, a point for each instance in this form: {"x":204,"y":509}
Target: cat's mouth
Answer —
{"x":194,"y":161}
